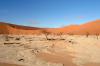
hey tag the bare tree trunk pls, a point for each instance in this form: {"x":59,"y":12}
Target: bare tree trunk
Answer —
{"x":46,"y":36}
{"x":87,"y":34}
{"x":97,"y":35}
{"x":6,"y":37}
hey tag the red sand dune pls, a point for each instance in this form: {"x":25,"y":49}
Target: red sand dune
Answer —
{"x":6,"y":28}
{"x":69,"y":28}
{"x":90,"y":27}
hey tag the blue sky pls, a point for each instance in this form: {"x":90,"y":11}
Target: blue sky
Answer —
{"x":49,"y":13}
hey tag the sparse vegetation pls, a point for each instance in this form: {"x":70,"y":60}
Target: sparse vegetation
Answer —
{"x":69,"y":33}
{"x":87,"y":34}
{"x":8,"y":43}
{"x":6,"y":37}
{"x":21,"y":60}
{"x":46,"y":34}
{"x":97,"y":35}
{"x":60,"y":34}
{"x":17,"y":39}
{"x":35,"y":50}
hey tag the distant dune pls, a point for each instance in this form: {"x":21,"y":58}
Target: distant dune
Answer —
{"x":6,"y":28}
{"x":92,"y":28}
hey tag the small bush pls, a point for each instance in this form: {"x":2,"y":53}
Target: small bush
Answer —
{"x":17,"y":39}
{"x":21,"y":60}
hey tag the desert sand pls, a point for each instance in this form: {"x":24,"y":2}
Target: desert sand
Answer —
{"x":7,"y":64}
{"x":33,"y":50}
{"x":73,"y":45}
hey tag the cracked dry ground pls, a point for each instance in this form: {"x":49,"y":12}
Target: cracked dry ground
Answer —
{"x":37,"y":51}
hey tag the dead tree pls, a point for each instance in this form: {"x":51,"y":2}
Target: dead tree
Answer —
{"x":71,"y":34}
{"x":97,"y":34}
{"x":46,"y":34}
{"x":60,"y":34}
{"x":87,"y":34}
{"x":6,"y":37}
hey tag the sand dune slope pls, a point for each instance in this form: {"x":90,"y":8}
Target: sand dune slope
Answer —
{"x":92,"y":28}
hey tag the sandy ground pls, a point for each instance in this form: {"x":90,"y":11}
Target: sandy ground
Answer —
{"x":7,"y":64}
{"x":37,"y":51}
